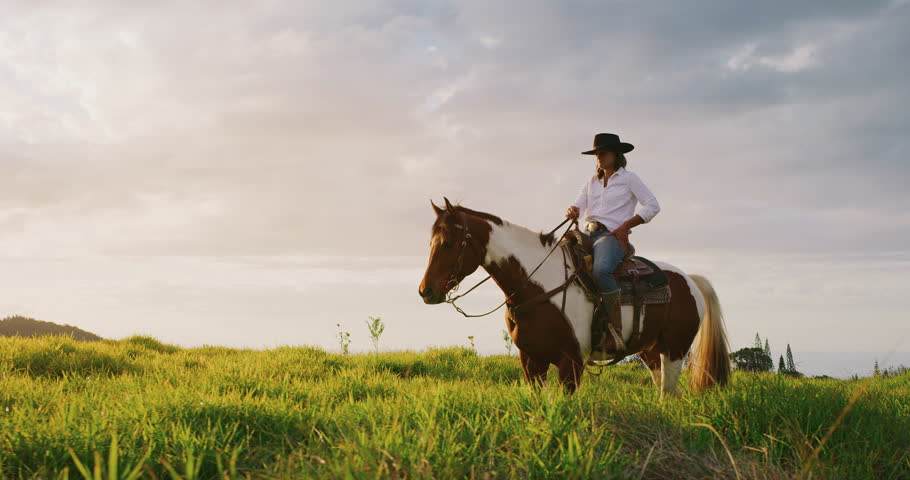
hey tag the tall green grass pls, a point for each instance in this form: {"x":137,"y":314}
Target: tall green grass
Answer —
{"x":138,"y":408}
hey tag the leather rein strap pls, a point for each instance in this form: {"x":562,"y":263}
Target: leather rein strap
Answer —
{"x":464,"y":244}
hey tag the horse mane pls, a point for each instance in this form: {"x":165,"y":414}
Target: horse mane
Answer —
{"x":546,"y":239}
{"x":483,"y":215}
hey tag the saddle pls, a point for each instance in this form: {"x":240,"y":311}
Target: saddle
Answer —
{"x":633,"y":272}
{"x":640,"y":282}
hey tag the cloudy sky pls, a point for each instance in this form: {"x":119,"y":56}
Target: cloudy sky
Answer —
{"x":252,"y":174}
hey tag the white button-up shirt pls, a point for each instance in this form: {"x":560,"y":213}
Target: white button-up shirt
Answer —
{"x":615,"y":204}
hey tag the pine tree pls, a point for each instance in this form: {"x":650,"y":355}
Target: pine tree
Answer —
{"x":757,"y":341}
{"x":780,"y":365}
{"x":790,"y":365}
{"x":767,"y":349}
{"x":875,"y":371}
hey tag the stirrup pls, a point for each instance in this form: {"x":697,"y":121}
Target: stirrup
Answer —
{"x":619,"y":345}
{"x":617,"y":338}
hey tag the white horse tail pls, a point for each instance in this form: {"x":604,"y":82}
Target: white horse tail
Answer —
{"x":709,"y":360}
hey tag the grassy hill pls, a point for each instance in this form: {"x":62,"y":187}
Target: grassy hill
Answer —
{"x":137,"y":405}
{"x":29,"y":327}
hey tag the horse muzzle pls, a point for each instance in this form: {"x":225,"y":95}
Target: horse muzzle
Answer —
{"x":431,"y":296}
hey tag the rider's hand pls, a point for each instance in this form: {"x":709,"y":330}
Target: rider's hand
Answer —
{"x":622,"y":234}
{"x":572,"y":212}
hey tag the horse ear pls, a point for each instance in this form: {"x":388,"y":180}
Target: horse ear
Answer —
{"x":439,"y":211}
{"x":449,"y":207}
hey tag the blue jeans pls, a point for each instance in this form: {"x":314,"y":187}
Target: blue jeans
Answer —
{"x":608,"y":253}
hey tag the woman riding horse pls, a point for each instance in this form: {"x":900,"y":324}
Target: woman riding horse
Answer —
{"x":549,"y":312}
{"x":607,"y":200}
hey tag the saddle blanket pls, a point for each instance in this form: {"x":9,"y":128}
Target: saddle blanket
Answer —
{"x":651,"y":297}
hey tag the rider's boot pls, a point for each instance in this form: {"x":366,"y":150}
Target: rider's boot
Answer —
{"x":606,"y":329}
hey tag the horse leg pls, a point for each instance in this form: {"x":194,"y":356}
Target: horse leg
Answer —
{"x":652,"y":360}
{"x":535,"y":371}
{"x":570,"y":371}
{"x":669,"y":375}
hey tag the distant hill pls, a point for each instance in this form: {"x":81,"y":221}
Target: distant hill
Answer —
{"x":29,"y":327}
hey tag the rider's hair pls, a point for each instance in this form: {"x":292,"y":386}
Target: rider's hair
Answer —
{"x":619,"y":162}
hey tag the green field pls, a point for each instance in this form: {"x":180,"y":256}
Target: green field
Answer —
{"x":138,"y":408}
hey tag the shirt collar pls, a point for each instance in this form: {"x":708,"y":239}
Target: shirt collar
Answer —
{"x":619,"y":172}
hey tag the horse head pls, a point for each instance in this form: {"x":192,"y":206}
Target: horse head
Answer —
{"x":457,"y":248}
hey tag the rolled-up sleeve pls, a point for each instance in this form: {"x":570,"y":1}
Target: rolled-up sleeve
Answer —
{"x":649,"y":206}
{"x":581,"y":201}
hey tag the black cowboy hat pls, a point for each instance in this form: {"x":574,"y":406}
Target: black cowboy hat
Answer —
{"x":609,"y":141}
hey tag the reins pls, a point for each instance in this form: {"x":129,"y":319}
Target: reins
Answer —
{"x":464,"y":243}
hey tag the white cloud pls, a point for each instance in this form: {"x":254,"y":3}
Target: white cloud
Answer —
{"x":490,"y":41}
{"x":800,"y":58}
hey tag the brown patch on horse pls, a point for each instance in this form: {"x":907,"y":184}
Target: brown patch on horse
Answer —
{"x":547,"y":239}
{"x":542,"y":334}
{"x":684,"y":319}
{"x":670,"y":328}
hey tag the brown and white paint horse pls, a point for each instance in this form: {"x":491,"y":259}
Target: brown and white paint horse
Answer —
{"x":543,"y":335}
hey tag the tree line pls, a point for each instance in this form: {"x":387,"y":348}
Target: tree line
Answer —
{"x":758,"y":358}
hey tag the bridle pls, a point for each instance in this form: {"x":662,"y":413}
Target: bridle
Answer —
{"x":453,"y":281}
{"x":453,"y":278}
